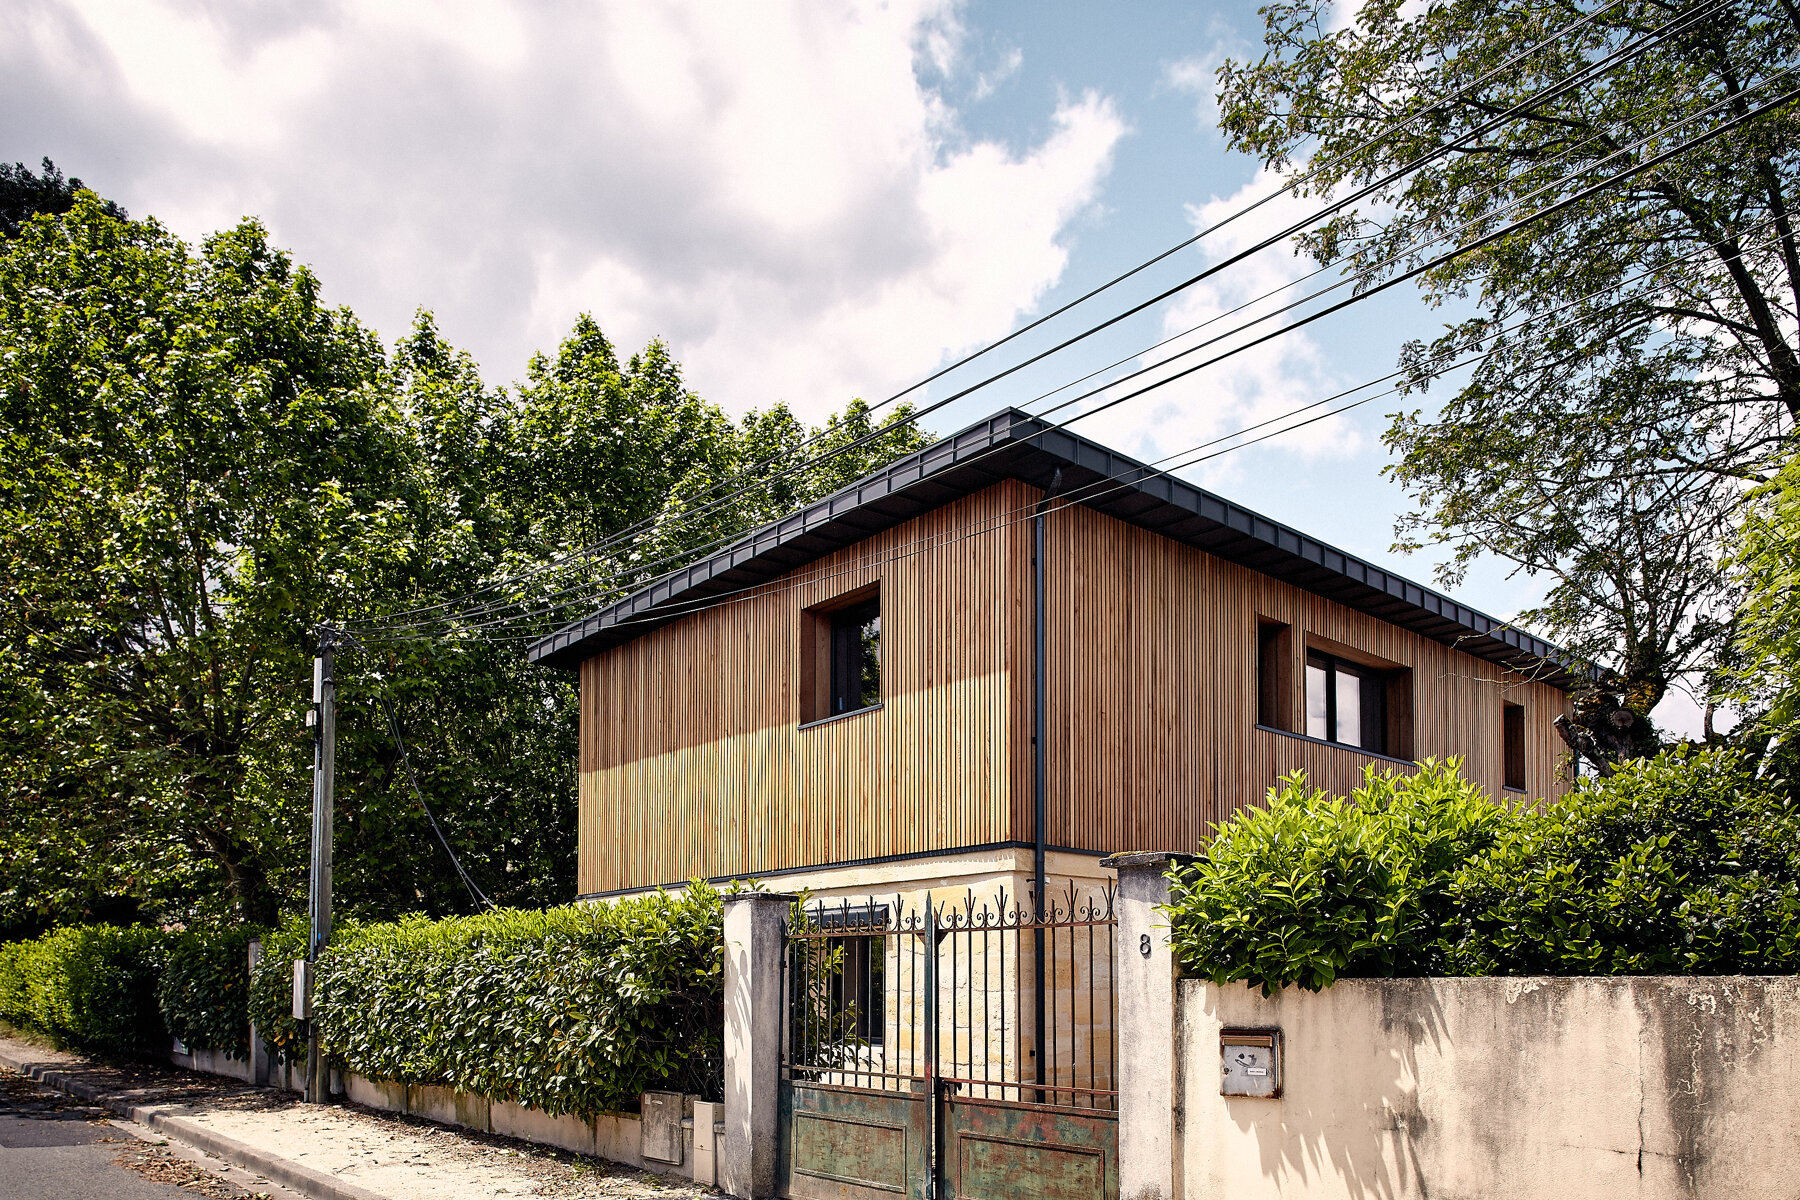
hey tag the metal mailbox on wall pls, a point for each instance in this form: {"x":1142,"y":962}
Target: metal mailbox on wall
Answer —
{"x":1250,"y":1063}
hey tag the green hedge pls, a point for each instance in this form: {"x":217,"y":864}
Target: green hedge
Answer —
{"x":1683,"y":864}
{"x":271,"y":1000}
{"x":574,"y":1009}
{"x":91,"y":986}
{"x":204,"y":991}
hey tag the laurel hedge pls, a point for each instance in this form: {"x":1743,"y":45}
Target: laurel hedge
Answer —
{"x":1687,"y":863}
{"x":573,"y":1009}
{"x":204,"y":989}
{"x":89,"y":986}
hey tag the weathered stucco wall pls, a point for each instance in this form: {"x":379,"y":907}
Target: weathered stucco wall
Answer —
{"x":1450,"y":1088}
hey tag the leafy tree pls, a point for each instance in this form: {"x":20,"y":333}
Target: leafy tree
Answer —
{"x":201,"y":465}
{"x":759,"y":481}
{"x":1762,"y":673}
{"x":194,"y":452}
{"x":23,"y":195}
{"x":1643,"y":365}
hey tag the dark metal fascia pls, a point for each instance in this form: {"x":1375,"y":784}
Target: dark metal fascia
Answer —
{"x":1014,"y":444}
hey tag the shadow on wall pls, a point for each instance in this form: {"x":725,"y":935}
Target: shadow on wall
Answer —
{"x":1400,"y":1088}
{"x":1363,"y":1126}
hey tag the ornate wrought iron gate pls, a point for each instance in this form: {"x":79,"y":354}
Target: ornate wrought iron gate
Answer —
{"x":950,"y":1050}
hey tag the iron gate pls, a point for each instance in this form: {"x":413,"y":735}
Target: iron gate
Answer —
{"x":958,"y":1050}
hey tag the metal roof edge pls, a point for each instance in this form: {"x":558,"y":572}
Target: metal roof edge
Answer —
{"x":1018,"y":445}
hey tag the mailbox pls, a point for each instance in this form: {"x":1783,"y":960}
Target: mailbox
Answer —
{"x":1250,"y":1063}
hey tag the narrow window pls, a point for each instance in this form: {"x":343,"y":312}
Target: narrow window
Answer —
{"x":840,"y":655}
{"x":1513,"y":731}
{"x":856,"y":658}
{"x":1274,"y":670}
{"x":1346,"y":703}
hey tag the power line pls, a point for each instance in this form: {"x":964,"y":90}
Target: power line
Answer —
{"x":1413,"y":272}
{"x":1147,"y":471}
{"x":640,"y":567}
{"x":1675,"y":25}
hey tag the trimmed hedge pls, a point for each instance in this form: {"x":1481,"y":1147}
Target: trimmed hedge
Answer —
{"x":204,"y":992}
{"x":1682,"y":864}
{"x":573,"y":1009}
{"x":271,"y":1000}
{"x":92,"y":986}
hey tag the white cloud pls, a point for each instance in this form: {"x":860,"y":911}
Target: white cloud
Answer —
{"x":1198,"y":74}
{"x":988,"y":82}
{"x":769,"y":187}
{"x":1252,"y":386}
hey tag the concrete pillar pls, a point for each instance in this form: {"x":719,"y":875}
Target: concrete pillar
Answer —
{"x":1145,"y":986}
{"x":260,"y":1070}
{"x":753,"y":1020}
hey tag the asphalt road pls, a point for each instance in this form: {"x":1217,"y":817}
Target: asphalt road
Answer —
{"x":55,"y":1148}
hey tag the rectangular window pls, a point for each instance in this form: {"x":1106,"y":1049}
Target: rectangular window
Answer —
{"x":859,"y":987}
{"x":1274,"y":672}
{"x":1512,"y":723}
{"x":840,"y":655}
{"x":1346,"y":703}
{"x":856,"y":658}
{"x":855,"y":973}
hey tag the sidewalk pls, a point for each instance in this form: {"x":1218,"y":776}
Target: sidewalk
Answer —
{"x":332,"y":1152}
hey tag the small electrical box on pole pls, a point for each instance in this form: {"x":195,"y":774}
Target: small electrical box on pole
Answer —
{"x":323,"y":720}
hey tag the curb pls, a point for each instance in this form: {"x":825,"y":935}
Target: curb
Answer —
{"x":314,"y":1184}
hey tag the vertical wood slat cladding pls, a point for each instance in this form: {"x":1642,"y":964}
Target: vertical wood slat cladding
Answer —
{"x":1154,"y":691}
{"x":693,"y":761}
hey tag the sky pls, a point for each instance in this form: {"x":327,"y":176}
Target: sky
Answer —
{"x":808,"y":202}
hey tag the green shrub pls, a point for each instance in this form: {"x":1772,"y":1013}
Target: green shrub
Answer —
{"x":1315,"y":887}
{"x":91,"y":986}
{"x":15,"y":1003}
{"x":204,"y":992}
{"x":1682,"y":864}
{"x":574,"y":1009}
{"x":271,"y":999}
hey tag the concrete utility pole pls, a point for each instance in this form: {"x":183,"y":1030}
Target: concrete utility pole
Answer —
{"x":324,"y":722}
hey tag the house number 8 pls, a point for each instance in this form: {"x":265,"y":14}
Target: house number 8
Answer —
{"x":1144,"y":945}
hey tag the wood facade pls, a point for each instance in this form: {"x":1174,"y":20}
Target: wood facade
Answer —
{"x":695,"y":761}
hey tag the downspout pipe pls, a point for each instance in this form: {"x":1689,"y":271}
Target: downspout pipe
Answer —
{"x":1040,"y":744}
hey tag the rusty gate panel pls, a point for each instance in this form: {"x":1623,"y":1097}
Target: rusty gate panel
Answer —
{"x":1001,"y":1150}
{"x":852,"y":1143}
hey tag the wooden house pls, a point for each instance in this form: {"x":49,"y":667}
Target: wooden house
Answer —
{"x":850,"y":699}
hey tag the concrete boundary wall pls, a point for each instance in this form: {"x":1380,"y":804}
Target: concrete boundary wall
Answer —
{"x":1646,"y":1087}
{"x":616,"y":1137}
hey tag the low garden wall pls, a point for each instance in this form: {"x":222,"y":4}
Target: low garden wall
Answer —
{"x":1645,"y":1086}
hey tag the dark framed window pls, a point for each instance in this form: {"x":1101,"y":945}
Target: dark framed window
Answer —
{"x":856,"y":657}
{"x":840,"y":655}
{"x":1512,"y":732}
{"x":1346,"y":702}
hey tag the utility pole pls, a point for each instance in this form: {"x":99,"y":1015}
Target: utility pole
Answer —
{"x":324,"y":721}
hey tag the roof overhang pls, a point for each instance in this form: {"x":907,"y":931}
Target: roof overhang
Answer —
{"x":1015,"y":445}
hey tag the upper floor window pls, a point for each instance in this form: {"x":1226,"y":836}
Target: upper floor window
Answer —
{"x":1346,"y":702}
{"x":856,"y":657}
{"x":1512,"y":732}
{"x":1274,"y":691}
{"x":840,"y":666}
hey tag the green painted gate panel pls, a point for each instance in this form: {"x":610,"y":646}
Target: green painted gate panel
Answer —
{"x":840,"y":1143}
{"x":995,"y":1150}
